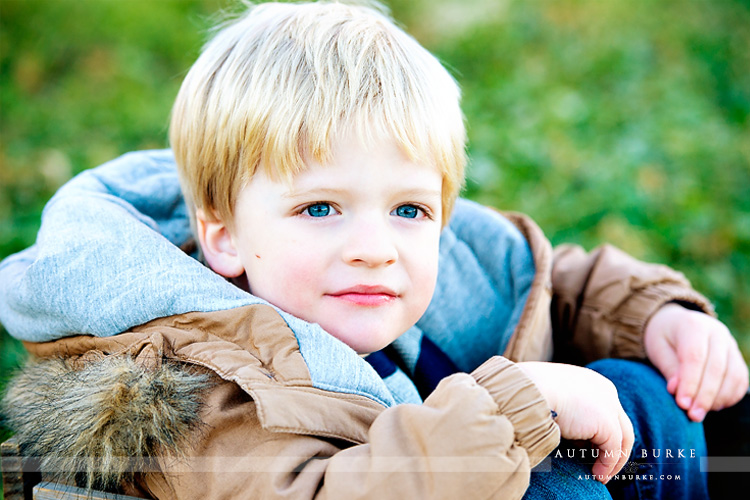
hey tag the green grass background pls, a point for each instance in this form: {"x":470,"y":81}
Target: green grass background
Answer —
{"x":605,"y":120}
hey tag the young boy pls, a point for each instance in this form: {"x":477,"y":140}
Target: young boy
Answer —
{"x":320,"y":152}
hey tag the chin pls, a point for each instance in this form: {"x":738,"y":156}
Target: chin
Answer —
{"x":365,"y":342}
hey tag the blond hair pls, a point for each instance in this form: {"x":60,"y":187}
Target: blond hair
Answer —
{"x":274,"y":85}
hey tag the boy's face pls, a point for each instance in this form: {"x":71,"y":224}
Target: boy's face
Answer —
{"x":351,"y":245}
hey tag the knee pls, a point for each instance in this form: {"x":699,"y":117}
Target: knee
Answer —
{"x":640,"y":387}
{"x":566,"y":478}
{"x":627,"y":371}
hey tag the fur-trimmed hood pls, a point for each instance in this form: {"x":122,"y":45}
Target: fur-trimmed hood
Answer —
{"x":98,"y":423}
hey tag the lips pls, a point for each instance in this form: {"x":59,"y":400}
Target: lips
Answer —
{"x":366,"y":295}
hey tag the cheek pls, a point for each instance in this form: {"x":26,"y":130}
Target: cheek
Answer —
{"x":424,"y":271}
{"x":285,"y":277}
{"x":428,"y":280}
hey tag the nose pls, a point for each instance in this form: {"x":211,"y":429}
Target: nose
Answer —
{"x":370,"y":243}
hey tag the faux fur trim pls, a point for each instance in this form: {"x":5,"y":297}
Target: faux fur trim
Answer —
{"x":100,"y":425}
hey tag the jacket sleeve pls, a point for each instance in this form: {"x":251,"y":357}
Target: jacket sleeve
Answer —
{"x":602,"y":301}
{"x":482,"y":431}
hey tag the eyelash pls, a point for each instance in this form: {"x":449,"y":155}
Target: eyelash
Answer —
{"x":307,"y":207}
{"x":304,"y":210}
{"x":425,"y":211}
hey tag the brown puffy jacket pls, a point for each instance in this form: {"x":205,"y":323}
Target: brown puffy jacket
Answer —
{"x":221,"y":404}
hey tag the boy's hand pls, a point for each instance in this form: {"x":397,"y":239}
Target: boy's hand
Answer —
{"x":587,"y":409}
{"x":699,"y":358}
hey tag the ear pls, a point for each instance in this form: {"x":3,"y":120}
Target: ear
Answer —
{"x":218,"y":246}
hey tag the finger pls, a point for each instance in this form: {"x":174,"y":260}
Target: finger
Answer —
{"x":692,"y":351}
{"x":663,"y":355}
{"x":735,"y":384}
{"x":672,"y":383}
{"x":713,"y":376}
{"x":608,"y":441}
{"x":628,"y":437}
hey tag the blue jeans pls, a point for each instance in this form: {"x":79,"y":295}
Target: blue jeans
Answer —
{"x":664,"y":462}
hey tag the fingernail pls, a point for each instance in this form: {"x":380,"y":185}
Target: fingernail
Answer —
{"x":686,"y":401}
{"x":698,"y":414}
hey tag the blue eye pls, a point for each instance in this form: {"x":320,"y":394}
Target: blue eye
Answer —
{"x":318,"y":210}
{"x":407,"y":211}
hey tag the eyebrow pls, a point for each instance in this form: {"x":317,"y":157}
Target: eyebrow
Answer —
{"x":420,"y":192}
{"x":291,"y":195}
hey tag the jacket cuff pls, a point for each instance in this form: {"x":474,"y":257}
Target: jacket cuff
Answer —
{"x":519,"y":400}
{"x":630,"y":319}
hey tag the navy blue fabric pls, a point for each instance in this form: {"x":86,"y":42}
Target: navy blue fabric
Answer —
{"x":384,"y":365}
{"x":432,"y":366}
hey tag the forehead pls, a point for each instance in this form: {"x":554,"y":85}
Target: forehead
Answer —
{"x":366,"y":179}
{"x":357,"y":166}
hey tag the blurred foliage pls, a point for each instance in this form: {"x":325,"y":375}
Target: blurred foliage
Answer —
{"x":609,"y":121}
{"x":604,"y":120}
